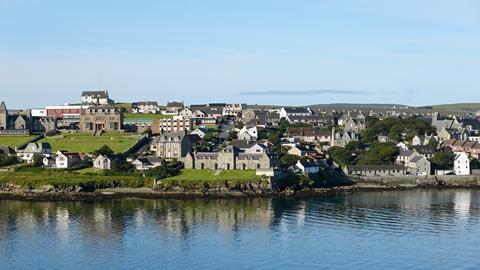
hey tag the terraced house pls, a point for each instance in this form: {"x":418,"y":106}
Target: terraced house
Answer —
{"x":229,"y":158}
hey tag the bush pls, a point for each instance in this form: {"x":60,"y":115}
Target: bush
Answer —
{"x":7,"y":160}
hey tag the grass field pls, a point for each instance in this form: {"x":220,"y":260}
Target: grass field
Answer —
{"x":145,"y":116}
{"x":209,"y":175}
{"x":458,"y":107}
{"x":86,"y":143}
{"x":13,"y":141}
{"x":65,"y":179}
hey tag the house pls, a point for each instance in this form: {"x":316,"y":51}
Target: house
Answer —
{"x":419,"y":165}
{"x":423,"y":150}
{"x":261,"y":118}
{"x":383,"y":139}
{"x":229,"y":158}
{"x":145,"y":163}
{"x":174,"y":145}
{"x":173,"y":108}
{"x":26,"y":154}
{"x":103,"y":162}
{"x":404,"y":156}
{"x":376,"y":170}
{"x":354,"y":124}
{"x":97,"y":119}
{"x":200,"y":132}
{"x":421,"y":139}
{"x":65,"y":160}
{"x":145,"y":107}
{"x":286,"y":112}
{"x":96,"y":98}
{"x":248,"y":133}
{"x":232,"y":110}
{"x":308,"y":166}
{"x":342,"y":138}
{"x":48,"y":161}
{"x":461,"y":164}
{"x":185,"y":112}
{"x":301,"y":151}
{"x":247,"y":146}
{"x":304,"y":134}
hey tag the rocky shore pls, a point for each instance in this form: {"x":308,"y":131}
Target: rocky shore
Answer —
{"x":73,"y":193}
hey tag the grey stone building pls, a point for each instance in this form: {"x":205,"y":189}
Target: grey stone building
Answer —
{"x":23,"y":123}
{"x":173,"y":145}
{"x":100,"y":118}
{"x":229,"y":158}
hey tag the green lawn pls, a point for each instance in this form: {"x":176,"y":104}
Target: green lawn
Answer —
{"x":64,"y":179}
{"x":86,"y":143}
{"x":13,"y":141}
{"x":149,"y":116}
{"x":209,"y":175}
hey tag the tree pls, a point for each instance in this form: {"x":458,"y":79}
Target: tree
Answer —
{"x":433,"y":143}
{"x":379,"y":154}
{"x":289,"y":159}
{"x":355,"y":147}
{"x":443,"y":159}
{"x":37,"y":160}
{"x":232,"y":135}
{"x":105,"y":150}
{"x":340,"y":155}
{"x":121,"y":165}
{"x":7,"y":160}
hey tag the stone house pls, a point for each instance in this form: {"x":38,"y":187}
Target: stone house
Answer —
{"x":175,"y":145}
{"x":301,"y":151}
{"x":354,"y":124}
{"x":423,"y":150}
{"x":23,"y":123}
{"x":261,"y":118}
{"x":100,"y":118}
{"x":229,"y":158}
{"x":376,"y":170}
{"x":96,"y":98}
{"x":419,"y":165}
{"x":461,"y":164}
{"x":342,"y":138}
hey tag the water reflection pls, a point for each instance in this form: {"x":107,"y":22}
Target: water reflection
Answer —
{"x":169,"y":230}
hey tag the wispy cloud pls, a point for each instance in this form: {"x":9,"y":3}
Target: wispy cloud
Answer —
{"x":308,"y":92}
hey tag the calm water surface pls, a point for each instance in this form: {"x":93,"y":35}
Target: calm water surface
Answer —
{"x":374,"y":230}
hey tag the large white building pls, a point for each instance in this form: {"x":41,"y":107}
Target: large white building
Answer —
{"x":461,"y":164}
{"x":96,"y":98}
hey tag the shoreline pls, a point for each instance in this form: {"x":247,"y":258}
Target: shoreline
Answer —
{"x":147,"y":193}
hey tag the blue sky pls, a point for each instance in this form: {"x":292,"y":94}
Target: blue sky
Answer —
{"x":278,"y":52}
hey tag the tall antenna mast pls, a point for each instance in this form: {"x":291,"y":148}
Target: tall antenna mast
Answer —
{"x":99,"y":80}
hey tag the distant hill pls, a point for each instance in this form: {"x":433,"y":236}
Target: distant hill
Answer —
{"x":458,"y":107}
{"x":360,"y":105}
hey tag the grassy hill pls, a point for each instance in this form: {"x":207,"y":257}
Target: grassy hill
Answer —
{"x":458,"y":107}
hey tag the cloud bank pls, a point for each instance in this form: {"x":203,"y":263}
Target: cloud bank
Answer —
{"x":307,"y":92}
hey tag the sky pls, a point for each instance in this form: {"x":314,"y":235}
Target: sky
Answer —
{"x":295,"y":52}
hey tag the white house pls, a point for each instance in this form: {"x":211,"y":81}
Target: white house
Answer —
{"x":96,"y":97}
{"x":67,"y":160}
{"x":201,"y":133}
{"x":308,"y":166}
{"x":102,"y":162}
{"x":461,"y":164}
{"x":31,"y":149}
{"x":145,"y":107}
{"x":294,"y":111}
{"x":145,"y":163}
{"x":248,"y":133}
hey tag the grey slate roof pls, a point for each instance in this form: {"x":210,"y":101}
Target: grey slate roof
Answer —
{"x":97,"y":94}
